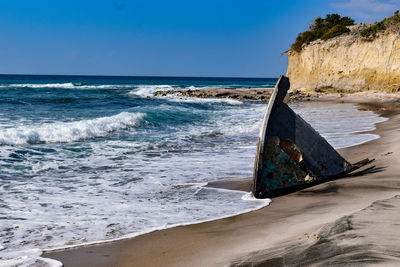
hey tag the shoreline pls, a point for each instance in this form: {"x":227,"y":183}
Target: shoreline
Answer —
{"x":158,"y":242}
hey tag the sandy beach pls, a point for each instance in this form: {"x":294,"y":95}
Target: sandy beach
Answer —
{"x":352,"y":221}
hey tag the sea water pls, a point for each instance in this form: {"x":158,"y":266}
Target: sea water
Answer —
{"x":88,"y":159}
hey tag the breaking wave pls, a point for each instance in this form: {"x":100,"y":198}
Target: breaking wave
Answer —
{"x":63,"y":132}
{"x":65,"y":86}
{"x":149,"y":90}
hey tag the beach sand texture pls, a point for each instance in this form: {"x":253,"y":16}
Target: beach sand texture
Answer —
{"x":350,"y":221}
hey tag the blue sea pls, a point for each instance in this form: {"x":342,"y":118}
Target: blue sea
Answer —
{"x":85,"y":159}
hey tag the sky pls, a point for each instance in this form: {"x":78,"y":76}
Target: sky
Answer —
{"x":202,"y":38}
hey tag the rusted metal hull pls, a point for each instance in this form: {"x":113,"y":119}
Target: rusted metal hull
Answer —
{"x":290,"y":153}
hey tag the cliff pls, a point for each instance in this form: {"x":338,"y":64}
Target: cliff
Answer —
{"x":349,"y":62}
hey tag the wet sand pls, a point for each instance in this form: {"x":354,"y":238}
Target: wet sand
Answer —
{"x":353,"y":221}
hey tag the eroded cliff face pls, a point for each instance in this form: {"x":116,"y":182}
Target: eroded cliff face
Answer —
{"x":348,"y":62}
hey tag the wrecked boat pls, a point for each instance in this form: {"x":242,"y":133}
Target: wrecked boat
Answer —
{"x":290,"y":154}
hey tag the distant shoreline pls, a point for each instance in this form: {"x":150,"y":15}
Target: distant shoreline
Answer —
{"x":138,"y":76}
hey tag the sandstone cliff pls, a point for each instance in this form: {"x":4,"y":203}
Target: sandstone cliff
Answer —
{"x":348,"y":62}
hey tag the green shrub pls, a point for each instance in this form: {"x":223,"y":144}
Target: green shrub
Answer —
{"x":371,"y":32}
{"x":333,"y":25}
{"x":335,"y":31}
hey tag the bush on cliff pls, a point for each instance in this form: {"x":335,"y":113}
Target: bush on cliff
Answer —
{"x":331,"y":26}
{"x":371,"y":32}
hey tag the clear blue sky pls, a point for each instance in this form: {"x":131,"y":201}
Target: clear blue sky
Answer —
{"x":228,"y":38}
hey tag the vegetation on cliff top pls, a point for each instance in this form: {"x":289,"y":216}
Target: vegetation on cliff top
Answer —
{"x":370,"y":33}
{"x":331,"y":26}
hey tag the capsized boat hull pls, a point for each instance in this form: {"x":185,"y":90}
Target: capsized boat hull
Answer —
{"x":290,"y":153}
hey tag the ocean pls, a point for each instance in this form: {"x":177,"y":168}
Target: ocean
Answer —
{"x":85,"y":159}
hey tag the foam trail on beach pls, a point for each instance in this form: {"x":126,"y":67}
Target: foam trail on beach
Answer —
{"x":30,"y":257}
{"x":245,"y":196}
{"x":342,"y":126}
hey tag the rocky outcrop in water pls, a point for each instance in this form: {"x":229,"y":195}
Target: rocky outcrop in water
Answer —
{"x":262,"y":94}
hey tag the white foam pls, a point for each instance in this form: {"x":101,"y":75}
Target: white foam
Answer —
{"x":32,"y":256}
{"x":249,"y":196}
{"x":246,"y":196}
{"x":66,"y":86}
{"x":22,"y":258}
{"x":68,"y":131}
{"x":149,"y":90}
{"x":230,"y":101}
{"x":343,"y":126}
{"x":50,"y":262}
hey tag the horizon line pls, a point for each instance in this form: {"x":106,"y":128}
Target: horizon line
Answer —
{"x":145,"y":76}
